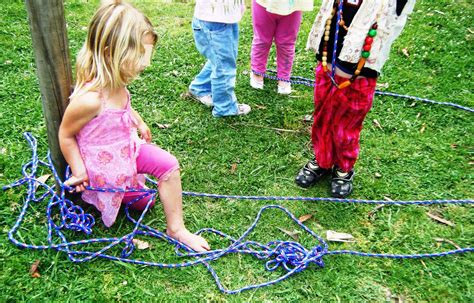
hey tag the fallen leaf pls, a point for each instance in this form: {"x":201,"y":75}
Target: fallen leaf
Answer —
{"x":447,"y":241}
{"x":294,"y":234}
{"x":440,"y":220}
{"x":339,"y":237}
{"x":305,"y":218}
{"x":413,"y":104}
{"x":34,"y":269}
{"x":418,"y":116}
{"x":233,"y":168}
{"x":163,"y":126}
{"x":36,"y":275}
{"x":124,"y":283}
{"x":175,"y":73}
{"x":423,"y":128}
{"x":371,"y":213}
{"x":453,"y":146}
{"x":377,"y":123}
{"x":260,"y":106}
{"x":318,"y":226}
{"x":382,"y":85}
{"x":406,"y":53}
{"x":308,"y":118}
{"x":245,"y":72}
{"x":141,"y":244}
{"x":41,"y":179}
{"x":378,"y":175}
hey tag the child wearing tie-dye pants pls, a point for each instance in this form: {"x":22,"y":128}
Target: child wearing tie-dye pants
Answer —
{"x":352,"y":41}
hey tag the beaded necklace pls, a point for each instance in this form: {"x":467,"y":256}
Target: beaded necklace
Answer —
{"x":365,"y":49}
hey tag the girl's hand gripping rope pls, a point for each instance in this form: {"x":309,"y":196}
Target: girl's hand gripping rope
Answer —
{"x":80,"y":181}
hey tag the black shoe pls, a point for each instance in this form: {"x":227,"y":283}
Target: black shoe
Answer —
{"x":341,"y":187}
{"x":310,"y":174}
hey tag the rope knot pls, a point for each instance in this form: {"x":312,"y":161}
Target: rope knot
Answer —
{"x":73,"y":217}
{"x":293,"y":256}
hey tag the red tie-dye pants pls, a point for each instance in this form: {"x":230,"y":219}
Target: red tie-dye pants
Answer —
{"x":338,"y":118}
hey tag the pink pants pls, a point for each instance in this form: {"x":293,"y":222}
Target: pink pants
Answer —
{"x":268,"y":26}
{"x":338,"y":118}
{"x":154,"y":161}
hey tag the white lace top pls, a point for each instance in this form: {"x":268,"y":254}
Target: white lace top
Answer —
{"x":389,"y":23}
{"x":286,"y":7}
{"x":223,"y":11}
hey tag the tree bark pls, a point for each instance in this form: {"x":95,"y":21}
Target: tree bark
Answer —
{"x":49,"y":37}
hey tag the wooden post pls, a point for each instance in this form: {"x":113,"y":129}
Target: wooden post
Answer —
{"x":49,"y":37}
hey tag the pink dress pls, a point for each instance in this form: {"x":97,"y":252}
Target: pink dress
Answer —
{"x":109,"y":147}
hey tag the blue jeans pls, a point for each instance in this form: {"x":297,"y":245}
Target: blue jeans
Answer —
{"x":218,"y":42}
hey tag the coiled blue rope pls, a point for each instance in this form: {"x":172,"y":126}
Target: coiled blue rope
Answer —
{"x":290,"y":255}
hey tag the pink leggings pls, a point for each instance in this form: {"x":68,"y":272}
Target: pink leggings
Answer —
{"x":154,"y":161}
{"x":266,"y":27}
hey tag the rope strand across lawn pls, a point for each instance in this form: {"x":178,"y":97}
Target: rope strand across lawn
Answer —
{"x":290,"y":255}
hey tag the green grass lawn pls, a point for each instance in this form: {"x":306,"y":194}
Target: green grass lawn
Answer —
{"x":421,"y":152}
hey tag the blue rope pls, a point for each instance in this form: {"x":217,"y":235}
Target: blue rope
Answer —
{"x":310,"y":83}
{"x":290,"y":255}
{"x":336,"y":38}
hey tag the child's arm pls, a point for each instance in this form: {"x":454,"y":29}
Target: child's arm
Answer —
{"x":142,"y":127}
{"x":80,"y":111}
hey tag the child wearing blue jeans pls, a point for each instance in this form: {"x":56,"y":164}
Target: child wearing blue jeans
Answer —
{"x":216,"y":34}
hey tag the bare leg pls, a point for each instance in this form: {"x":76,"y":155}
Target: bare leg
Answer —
{"x":171,"y":197}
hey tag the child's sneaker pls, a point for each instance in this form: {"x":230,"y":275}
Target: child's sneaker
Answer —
{"x":255,"y":82}
{"x":284,"y":88}
{"x":341,"y":183}
{"x":206,"y":100}
{"x":243,"y":109}
{"x":310,"y":174}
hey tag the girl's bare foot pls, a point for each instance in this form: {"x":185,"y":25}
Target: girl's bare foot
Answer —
{"x":197,"y":243}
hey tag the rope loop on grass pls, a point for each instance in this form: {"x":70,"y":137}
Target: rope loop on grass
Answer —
{"x":293,"y":257}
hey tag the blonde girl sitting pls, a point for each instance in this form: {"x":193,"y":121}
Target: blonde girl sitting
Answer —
{"x":98,"y":134}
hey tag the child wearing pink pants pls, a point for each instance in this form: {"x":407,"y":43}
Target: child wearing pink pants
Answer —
{"x":98,"y":135}
{"x":277,"y":20}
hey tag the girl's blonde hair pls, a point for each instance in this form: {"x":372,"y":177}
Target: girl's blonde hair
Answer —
{"x":113,"y":49}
